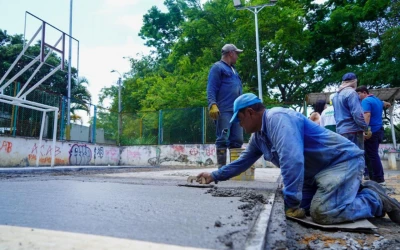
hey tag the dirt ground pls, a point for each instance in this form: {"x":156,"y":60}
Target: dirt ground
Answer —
{"x":304,"y":237}
{"x":299,"y":236}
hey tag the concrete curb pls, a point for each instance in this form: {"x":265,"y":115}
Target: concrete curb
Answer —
{"x":257,"y":237}
{"x":36,"y":170}
{"x":27,"y":238}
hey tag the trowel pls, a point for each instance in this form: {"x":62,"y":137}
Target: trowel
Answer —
{"x":193,"y":181}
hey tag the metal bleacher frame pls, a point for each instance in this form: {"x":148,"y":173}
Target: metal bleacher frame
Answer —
{"x":20,"y":98}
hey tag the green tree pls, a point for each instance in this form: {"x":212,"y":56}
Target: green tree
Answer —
{"x":80,"y":96}
{"x":304,"y":47}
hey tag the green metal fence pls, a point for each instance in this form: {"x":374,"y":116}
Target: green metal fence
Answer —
{"x":163,"y":127}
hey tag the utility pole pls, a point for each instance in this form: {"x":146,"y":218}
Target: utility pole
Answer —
{"x":255,"y":10}
{"x":119,"y":107}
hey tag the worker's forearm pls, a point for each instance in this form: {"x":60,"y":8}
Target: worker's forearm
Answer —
{"x":367,"y":118}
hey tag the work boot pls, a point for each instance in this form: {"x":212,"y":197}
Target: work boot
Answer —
{"x":221,"y":157}
{"x":390,"y":205}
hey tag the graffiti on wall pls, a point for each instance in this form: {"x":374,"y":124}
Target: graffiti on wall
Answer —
{"x":133,"y":154}
{"x":45,"y":154}
{"x":193,"y":151}
{"x":178,"y":148}
{"x":112,"y":154}
{"x":180,"y":157}
{"x":98,"y":152}
{"x":384,"y":149}
{"x":6,"y":146}
{"x":80,"y":155}
{"x":210,"y":151}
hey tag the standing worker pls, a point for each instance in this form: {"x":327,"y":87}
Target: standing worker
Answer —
{"x":373,"y":108}
{"x":349,"y":115}
{"x":321,"y":170}
{"x":223,"y":87}
{"x":318,"y":108}
{"x":327,"y":119}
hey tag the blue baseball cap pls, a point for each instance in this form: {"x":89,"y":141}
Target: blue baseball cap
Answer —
{"x":349,"y":76}
{"x":243,"y":101}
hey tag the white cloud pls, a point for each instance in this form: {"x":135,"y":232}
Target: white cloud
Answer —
{"x":133,"y":22}
{"x":120,"y":3}
{"x":97,"y":62}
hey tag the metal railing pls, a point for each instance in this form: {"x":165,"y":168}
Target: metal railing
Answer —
{"x":163,"y":127}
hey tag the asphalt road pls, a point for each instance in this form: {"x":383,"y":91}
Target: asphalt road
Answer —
{"x":153,"y":210}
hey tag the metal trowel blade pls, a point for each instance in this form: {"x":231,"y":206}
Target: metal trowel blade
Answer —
{"x":193,"y":181}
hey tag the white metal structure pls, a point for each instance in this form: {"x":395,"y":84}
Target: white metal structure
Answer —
{"x":20,"y":98}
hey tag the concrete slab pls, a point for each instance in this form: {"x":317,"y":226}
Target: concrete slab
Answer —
{"x":265,"y":179}
{"x":261,"y":174}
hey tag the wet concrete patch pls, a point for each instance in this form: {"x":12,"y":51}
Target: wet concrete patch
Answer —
{"x":253,"y":203}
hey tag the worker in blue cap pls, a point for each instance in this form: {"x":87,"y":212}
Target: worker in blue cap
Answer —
{"x":321,"y":170}
{"x":349,"y":115}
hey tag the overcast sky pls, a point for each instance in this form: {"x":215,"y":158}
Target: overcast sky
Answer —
{"x":107,"y":31}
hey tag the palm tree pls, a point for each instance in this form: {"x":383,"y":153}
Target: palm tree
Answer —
{"x":81,"y":97}
{"x":75,"y":117}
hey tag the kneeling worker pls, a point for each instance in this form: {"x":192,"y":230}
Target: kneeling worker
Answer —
{"x":321,"y":170}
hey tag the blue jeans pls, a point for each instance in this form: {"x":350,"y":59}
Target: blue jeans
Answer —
{"x":337,"y":197}
{"x":229,"y":135}
{"x":374,"y":161}
{"x":356,"y":138}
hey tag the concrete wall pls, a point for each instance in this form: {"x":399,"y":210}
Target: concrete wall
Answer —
{"x":21,"y":152}
{"x":385,"y":148}
{"x":84,"y":134}
{"x":80,"y":133}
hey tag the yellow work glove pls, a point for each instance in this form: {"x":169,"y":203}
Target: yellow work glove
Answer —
{"x":214,"y":112}
{"x":296,"y":213}
{"x":368,"y":133}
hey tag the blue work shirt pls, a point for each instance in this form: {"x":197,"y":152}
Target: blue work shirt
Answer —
{"x":374,"y":106}
{"x":223,"y":87}
{"x":298,"y":146}
{"x":349,"y":115}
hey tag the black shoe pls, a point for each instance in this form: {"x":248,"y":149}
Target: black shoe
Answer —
{"x":390,"y":205}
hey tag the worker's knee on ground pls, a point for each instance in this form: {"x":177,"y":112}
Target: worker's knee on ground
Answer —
{"x":320,"y":216}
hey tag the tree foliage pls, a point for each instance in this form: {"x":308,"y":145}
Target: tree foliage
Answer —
{"x":304,"y":47}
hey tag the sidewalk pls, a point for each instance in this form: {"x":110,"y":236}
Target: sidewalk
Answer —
{"x":34,"y":170}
